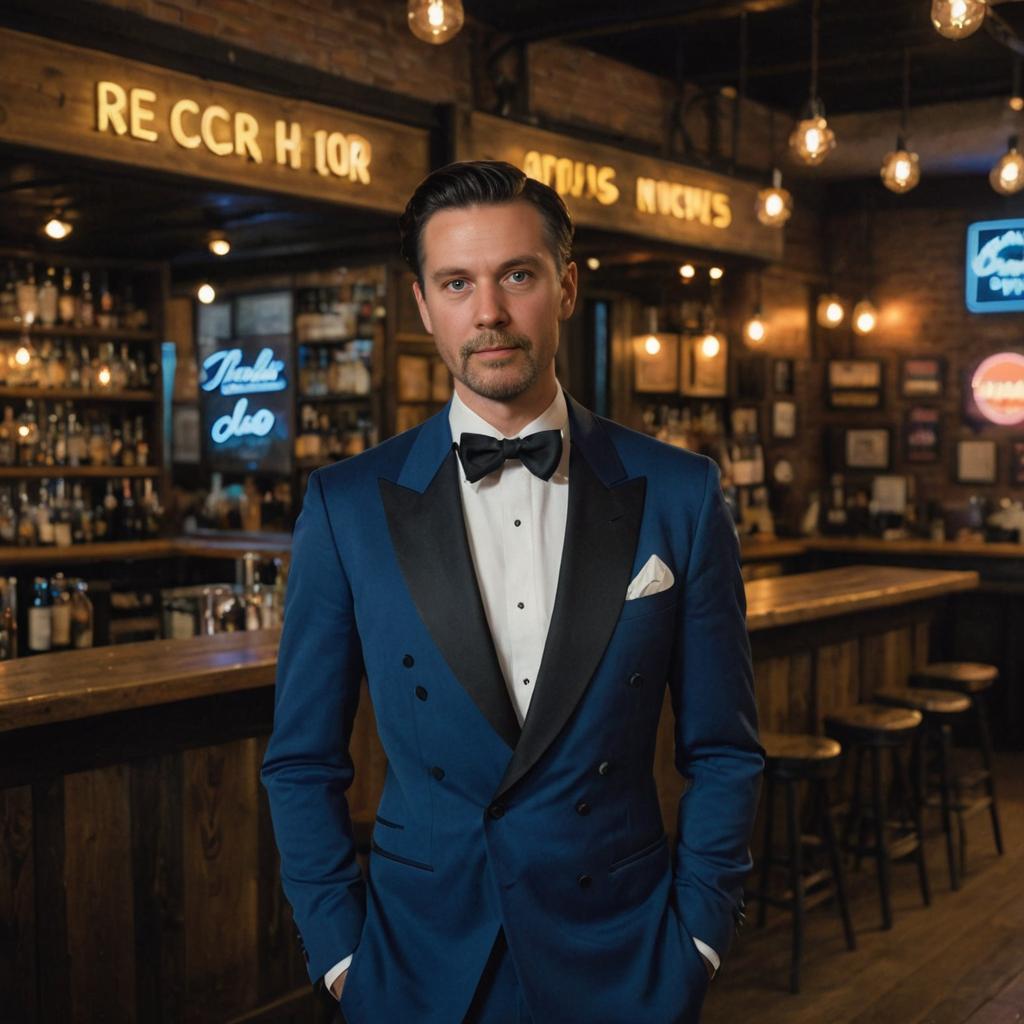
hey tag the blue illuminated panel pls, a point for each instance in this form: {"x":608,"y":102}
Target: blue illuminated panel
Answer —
{"x":995,"y":266}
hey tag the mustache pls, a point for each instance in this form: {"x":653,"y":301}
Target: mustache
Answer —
{"x":495,"y":339}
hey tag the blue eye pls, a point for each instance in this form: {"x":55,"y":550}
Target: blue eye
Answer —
{"x":519,"y":276}
{"x":458,"y":285}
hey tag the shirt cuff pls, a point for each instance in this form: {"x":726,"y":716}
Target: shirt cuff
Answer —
{"x":339,"y":968}
{"x":704,"y":949}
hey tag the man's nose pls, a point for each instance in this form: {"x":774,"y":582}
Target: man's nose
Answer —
{"x":491,"y":310}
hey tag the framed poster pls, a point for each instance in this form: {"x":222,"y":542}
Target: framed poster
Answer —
{"x":922,"y":377}
{"x":659,"y":371}
{"x":750,"y":378}
{"x":922,"y":434}
{"x":783,"y":374}
{"x":701,"y":375}
{"x":744,"y":421}
{"x":854,"y":383}
{"x":1017,"y":463}
{"x":413,"y":378}
{"x":976,"y":462}
{"x":867,"y":448}
{"x":783,"y":420}
{"x":440,"y":382}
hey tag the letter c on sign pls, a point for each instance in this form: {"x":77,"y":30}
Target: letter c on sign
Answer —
{"x":178,"y":133}
{"x":211,"y":114}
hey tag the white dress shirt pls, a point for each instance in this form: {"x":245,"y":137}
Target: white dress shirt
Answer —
{"x":515,"y":525}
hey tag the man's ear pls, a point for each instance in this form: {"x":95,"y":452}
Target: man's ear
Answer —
{"x":570,"y":283}
{"x":422,"y":304}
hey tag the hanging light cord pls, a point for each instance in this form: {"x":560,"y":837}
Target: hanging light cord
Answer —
{"x":815,"y":32}
{"x":905,"y":113}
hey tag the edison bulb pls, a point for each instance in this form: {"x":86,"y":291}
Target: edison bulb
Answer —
{"x":57,"y":229}
{"x":22,"y":357}
{"x":103,"y":377}
{"x":716,"y":273}
{"x":220,"y":246}
{"x":755,"y":330}
{"x":865,"y":317}
{"x":651,"y":345}
{"x":205,"y":293}
{"x":831,"y":311}
{"x":900,"y":170}
{"x":710,"y":346}
{"x":812,"y":139}
{"x":957,"y":19}
{"x":435,"y":21}
{"x":774,"y":206}
{"x":687,"y":271}
{"x":1007,"y":176}
{"x":593,"y":263}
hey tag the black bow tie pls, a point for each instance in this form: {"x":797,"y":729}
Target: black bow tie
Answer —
{"x":539,"y":453}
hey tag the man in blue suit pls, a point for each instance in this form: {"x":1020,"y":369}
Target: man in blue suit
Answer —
{"x":519,"y":580}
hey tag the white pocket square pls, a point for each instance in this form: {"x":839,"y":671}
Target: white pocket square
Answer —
{"x":653,"y":578}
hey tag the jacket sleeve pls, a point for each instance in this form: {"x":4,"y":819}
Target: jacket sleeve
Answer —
{"x":307,"y":768}
{"x":716,"y":745}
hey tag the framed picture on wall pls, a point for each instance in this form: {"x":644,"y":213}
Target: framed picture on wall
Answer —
{"x":744,"y":421}
{"x":922,"y":434}
{"x":783,"y":420}
{"x":922,"y":377}
{"x":655,"y":372}
{"x":976,"y":462}
{"x":1017,"y":463}
{"x":750,"y":378}
{"x":867,"y":448}
{"x":783,"y":373}
{"x":413,"y":378}
{"x":854,"y":383}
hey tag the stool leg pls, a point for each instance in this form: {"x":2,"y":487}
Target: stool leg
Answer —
{"x":796,"y":881}
{"x":881,"y":840}
{"x":919,"y":788}
{"x":944,"y":739}
{"x":828,"y":836}
{"x":767,"y":853}
{"x":985,"y":742}
{"x":854,"y":816}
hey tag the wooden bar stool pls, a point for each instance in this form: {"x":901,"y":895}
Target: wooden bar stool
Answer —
{"x":875,"y":728}
{"x":793,"y":760}
{"x":974,"y":680}
{"x":939,"y":708}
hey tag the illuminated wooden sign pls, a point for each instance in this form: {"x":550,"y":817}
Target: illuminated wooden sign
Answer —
{"x":64,"y":98}
{"x":997,"y":389}
{"x":613,"y":189}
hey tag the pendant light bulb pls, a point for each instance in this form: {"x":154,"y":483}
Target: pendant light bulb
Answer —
{"x":812,"y":139}
{"x":652,"y":346}
{"x":831,"y":312}
{"x":206,"y":293}
{"x":716,"y":273}
{"x":865,"y":317}
{"x":710,"y":346}
{"x":1007,"y":176}
{"x":755,"y":330}
{"x":901,"y":169}
{"x":435,"y":21}
{"x":958,"y":19}
{"x":219,"y":245}
{"x":687,"y":271}
{"x":57,"y":228}
{"x":775,"y":204}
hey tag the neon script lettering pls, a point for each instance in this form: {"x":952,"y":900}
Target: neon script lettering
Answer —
{"x":224,"y":370}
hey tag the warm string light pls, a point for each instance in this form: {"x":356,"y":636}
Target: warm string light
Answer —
{"x":831,"y":311}
{"x":710,"y":346}
{"x":812,"y":139}
{"x":755,"y":330}
{"x":651,"y":345}
{"x":687,"y":271}
{"x":1007,"y":176}
{"x":435,"y":21}
{"x":57,"y":228}
{"x":206,"y":293}
{"x":901,"y":169}
{"x":958,"y":19}
{"x":865,"y":317}
{"x":219,"y":245}
{"x":716,"y":273}
{"x":774,"y":204}
{"x":593,"y":263}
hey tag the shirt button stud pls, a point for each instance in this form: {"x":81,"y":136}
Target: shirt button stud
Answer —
{"x":635,"y":680}
{"x":583,"y":807}
{"x":604,"y":768}
{"x":584,"y":881}
{"x":520,"y":605}
{"x":408,"y":661}
{"x":421,"y":693}
{"x":496,"y":811}
{"x":438,"y":773}
{"x":518,"y":522}
{"x":526,"y":682}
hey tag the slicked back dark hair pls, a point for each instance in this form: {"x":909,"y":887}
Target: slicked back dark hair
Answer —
{"x":474,"y":182}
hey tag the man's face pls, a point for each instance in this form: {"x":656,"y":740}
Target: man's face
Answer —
{"x":492,"y":297}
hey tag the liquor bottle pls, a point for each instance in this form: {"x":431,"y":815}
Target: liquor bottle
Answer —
{"x":62,"y":525}
{"x":130,"y":368}
{"x":141,"y":444}
{"x":151,"y":509}
{"x":81,"y":614}
{"x":8,"y":619}
{"x":86,"y":305}
{"x":56,"y":366}
{"x":28,"y":296}
{"x":8,"y":519}
{"x":77,"y":443}
{"x":8,"y":438}
{"x":60,"y":613}
{"x":44,"y":517}
{"x":26,"y":520}
{"x":105,"y":317}
{"x":28,"y":434}
{"x":67,"y":304}
{"x":9,"y":295}
{"x":40,"y":618}
{"x":48,"y":296}
{"x":127,"y":523}
{"x":110,"y":513}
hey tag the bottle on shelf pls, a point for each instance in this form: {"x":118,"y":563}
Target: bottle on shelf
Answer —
{"x":81,"y":614}
{"x":8,"y":619}
{"x":60,"y":613}
{"x":86,"y":303}
{"x":40,"y":618}
{"x":8,"y":438}
{"x":45,"y":535}
{"x":9,"y":294}
{"x":48,"y":298}
{"x":106,"y":318}
{"x":8,"y":519}
{"x":28,"y":296}
{"x":67,"y":303}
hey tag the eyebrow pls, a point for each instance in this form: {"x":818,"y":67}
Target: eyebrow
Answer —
{"x":516,"y":261}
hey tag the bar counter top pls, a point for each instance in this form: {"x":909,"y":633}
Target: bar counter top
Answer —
{"x":755,"y":549}
{"x":78,"y":684}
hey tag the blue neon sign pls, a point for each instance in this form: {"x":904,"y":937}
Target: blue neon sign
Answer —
{"x":995,"y":266}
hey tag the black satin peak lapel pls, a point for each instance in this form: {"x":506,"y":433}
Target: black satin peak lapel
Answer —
{"x":602,"y":527}
{"x":429,"y":536}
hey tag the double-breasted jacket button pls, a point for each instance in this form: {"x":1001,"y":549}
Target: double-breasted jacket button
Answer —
{"x":438,"y":773}
{"x":604,"y":768}
{"x":635,"y":680}
{"x":408,"y":661}
{"x":421,"y":692}
{"x":583,"y":807}
{"x":584,"y":881}
{"x":496,"y":810}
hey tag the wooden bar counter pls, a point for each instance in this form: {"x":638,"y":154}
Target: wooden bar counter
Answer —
{"x":138,"y":873}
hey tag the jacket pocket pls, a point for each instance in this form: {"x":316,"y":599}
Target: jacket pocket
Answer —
{"x":639,"y":855}
{"x":399,"y":860}
{"x":641,"y":606}
{"x":388,"y":824}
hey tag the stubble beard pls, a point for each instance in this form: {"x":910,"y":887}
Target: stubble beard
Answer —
{"x":494,"y":386}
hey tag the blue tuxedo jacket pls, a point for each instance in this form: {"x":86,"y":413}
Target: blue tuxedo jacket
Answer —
{"x":553,"y":831}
